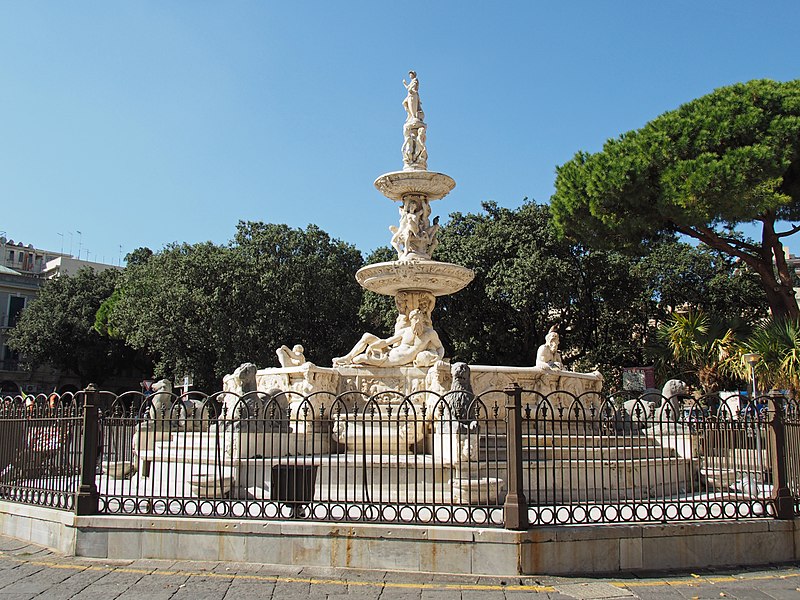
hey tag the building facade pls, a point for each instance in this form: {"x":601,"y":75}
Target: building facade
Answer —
{"x":23,"y":269}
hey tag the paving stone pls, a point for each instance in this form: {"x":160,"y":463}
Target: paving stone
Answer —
{"x":203,"y":587}
{"x":237,"y":568}
{"x":593,"y":591}
{"x":400,"y":594}
{"x":440,"y":594}
{"x":73,"y":585}
{"x":658,"y":593}
{"x":154,"y":587}
{"x":323,"y":590}
{"x":784,"y":594}
{"x":290,"y":587}
{"x":195,"y":566}
{"x":693,"y":591}
{"x":7,"y":544}
{"x":741,"y":593}
{"x":112,"y":585}
{"x":153,"y":564}
{"x":249,"y":589}
{"x":20,"y":571}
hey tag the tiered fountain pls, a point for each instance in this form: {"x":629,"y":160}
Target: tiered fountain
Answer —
{"x":412,"y":359}
{"x":381,"y":400}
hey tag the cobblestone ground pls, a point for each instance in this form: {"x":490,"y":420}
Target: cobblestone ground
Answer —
{"x":28,"y":571}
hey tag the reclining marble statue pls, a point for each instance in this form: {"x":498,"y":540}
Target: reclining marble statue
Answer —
{"x":414,"y":342}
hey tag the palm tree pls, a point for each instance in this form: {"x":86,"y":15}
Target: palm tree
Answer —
{"x":777,"y":341}
{"x":702,"y":345}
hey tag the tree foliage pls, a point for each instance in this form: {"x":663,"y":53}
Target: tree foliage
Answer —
{"x":681,"y":276}
{"x":378,"y":312}
{"x":727,"y":158}
{"x":204,"y":309}
{"x":527,"y":279}
{"x":58,"y":328}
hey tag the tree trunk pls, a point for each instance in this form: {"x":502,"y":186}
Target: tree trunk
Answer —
{"x":780,"y":297}
{"x":766,"y":260}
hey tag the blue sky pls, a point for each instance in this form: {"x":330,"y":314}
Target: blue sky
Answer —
{"x":144,"y":123}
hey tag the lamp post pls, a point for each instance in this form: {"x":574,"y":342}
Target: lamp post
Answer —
{"x":752,"y":359}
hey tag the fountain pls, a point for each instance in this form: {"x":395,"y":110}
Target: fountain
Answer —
{"x":413,"y":359}
{"x":374,"y":422}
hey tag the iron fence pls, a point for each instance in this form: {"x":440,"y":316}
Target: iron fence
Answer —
{"x":506,"y":458}
{"x":40,"y":450}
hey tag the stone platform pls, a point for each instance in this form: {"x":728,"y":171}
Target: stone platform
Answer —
{"x":560,"y":550}
{"x":424,"y":386}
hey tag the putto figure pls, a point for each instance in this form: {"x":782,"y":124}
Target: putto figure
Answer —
{"x":291,"y":358}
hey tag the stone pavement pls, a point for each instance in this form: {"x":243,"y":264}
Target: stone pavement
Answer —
{"x":28,"y":571}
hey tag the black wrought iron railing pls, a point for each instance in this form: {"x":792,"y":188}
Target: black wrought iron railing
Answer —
{"x":507,"y":458}
{"x":40,"y":451}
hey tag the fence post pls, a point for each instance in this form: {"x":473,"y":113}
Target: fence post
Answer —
{"x":781,"y":494}
{"x":87,"y":501}
{"x":515,"y":509}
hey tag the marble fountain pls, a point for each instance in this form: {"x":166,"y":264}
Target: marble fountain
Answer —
{"x":378,"y":408}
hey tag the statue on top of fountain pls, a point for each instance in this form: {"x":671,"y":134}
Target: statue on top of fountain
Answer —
{"x":414,"y":342}
{"x":415,"y":155}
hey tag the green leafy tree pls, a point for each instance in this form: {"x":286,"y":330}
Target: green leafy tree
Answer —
{"x":725,"y":159}
{"x":138,"y":256}
{"x":205,"y":309}
{"x":526,"y":280}
{"x":57,"y":328}
{"x":379,"y":312}
{"x":681,"y":276}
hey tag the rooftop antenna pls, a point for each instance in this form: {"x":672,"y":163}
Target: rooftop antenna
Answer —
{"x":80,"y":242}
{"x":62,"y":242}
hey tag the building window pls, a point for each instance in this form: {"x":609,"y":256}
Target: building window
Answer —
{"x":15,"y":306}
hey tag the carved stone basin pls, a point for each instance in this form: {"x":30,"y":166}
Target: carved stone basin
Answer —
{"x":427,"y":183}
{"x":439,"y":278}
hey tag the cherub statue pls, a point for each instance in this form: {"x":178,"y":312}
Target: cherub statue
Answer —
{"x":411,"y":216}
{"x":291,"y":358}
